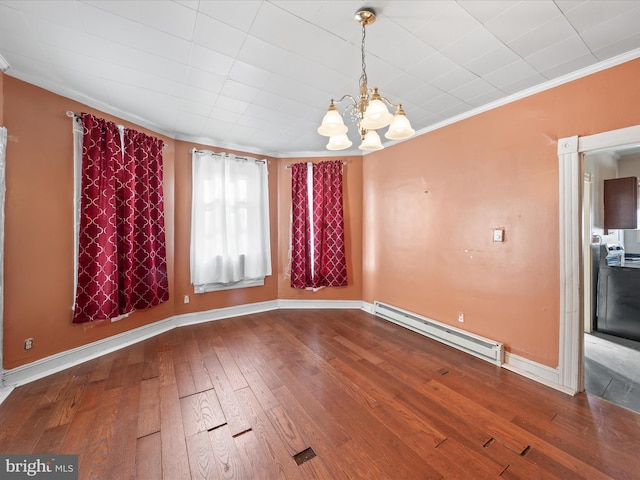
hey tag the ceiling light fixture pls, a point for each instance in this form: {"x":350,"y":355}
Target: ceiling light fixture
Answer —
{"x":369,"y":111}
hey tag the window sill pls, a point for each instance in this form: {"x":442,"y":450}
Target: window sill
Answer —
{"x":215,"y":287}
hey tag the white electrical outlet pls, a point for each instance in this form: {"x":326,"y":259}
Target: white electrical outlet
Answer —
{"x":28,"y":343}
{"x":186,"y":299}
{"x":461,"y":317}
{"x":498,"y":234}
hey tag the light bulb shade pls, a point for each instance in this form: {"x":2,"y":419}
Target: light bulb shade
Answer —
{"x":376,"y":115}
{"x":400,"y":127}
{"x":371,"y":141}
{"x":332,"y":123}
{"x":339,"y":142}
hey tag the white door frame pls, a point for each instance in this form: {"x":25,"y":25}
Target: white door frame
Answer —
{"x":3,"y":162}
{"x":570,"y":151}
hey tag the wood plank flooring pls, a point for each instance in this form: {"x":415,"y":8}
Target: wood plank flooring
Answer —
{"x":240,"y":398}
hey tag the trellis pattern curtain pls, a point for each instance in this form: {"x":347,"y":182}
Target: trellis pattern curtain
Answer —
{"x":317,"y":231}
{"x":121,"y":252}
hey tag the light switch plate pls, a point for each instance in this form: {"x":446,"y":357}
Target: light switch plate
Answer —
{"x":498,"y":234}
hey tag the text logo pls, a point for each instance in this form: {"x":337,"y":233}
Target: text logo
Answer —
{"x":49,"y":467}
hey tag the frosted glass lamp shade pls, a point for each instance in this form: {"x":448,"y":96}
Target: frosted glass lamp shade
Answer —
{"x":339,"y":142}
{"x":371,"y":141}
{"x":400,"y":127}
{"x":376,"y":114}
{"x":332,"y":123}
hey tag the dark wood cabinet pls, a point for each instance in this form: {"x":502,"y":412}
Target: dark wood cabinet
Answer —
{"x":621,"y":203}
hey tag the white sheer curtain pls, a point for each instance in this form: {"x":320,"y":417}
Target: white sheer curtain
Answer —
{"x":230,"y":245}
{"x":77,"y":185}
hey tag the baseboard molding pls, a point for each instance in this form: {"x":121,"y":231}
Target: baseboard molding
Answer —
{"x":41,"y":368}
{"x":544,"y":374}
{"x":354,"y":304}
{"x":368,"y":307}
{"x":60,"y":361}
{"x":522,"y":366}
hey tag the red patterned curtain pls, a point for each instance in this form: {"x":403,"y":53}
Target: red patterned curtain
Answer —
{"x":122,"y":252}
{"x":318,"y":254}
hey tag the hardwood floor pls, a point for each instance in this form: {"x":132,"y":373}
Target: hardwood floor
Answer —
{"x":240,"y":398}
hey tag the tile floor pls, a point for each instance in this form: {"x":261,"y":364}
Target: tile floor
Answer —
{"x":612,"y":369}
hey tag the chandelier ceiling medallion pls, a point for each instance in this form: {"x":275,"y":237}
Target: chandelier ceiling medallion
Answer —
{"x":369,"y":111}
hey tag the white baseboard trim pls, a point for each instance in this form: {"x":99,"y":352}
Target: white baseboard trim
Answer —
{"x":355,"y":304}
{"x":60,"y":361}
{"x":46,"y":366}
{"x":368,"y":307}
{"x":4,"y":393}
{"x":544,"y":374}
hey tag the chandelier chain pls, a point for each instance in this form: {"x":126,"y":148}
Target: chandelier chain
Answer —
{"x":363,"y":77}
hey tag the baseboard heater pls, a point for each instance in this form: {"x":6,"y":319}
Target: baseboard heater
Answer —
{"x":481,"y":347}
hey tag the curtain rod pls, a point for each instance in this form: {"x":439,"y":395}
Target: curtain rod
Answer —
{"x":71,"y":114}
{"x":288,"y":167}
{"x":194,"y":150}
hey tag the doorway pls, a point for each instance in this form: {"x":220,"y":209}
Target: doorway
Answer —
{"x":572,"y":261}
{"x":610,"y":362}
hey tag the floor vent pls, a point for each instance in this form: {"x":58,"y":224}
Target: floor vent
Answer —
{"x":481,"y":347}
{"x":304,"y":456}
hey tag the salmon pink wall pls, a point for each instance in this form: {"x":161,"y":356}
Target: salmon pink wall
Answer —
{"x":224,"y":298}
{"x":352,"y":197}
{"x":430,"y":205}
{"x":38,"y":255}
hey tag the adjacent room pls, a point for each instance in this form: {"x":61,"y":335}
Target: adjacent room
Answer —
{"x":268,"y":239}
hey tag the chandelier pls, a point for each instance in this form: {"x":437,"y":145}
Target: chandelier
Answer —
{"x":368,"y":111}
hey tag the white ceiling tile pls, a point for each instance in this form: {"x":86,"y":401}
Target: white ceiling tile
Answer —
{"x":210,"y":60}
{"x":207,"y":81}
{"x":62,"y":13}
{"x":470,"y":46}
{"x":232,"y":12}
{"x":231,"y":105}
{"x":202,"y":105}
{"x":511,"y":73}
{"x":136,"y":35}
{"x":413,"y":15}
{"x":542,"y":37}
{"x":523,"y":84}
{"x":473,"y":89}
{"x":432,"y":67}
{"x":218,"y":36}
{"x":586,"y":15}
{"x":558,"y":54}
{"x":492,"y":60}
{"x":522,"y":18}
{"x":258,"y":75}
{"x":12,"y":38}
{"x":486,"y":98}
{"x":613,"y":30}
{"x":629,"y":44}
{"x":458,"y":109}
{"x":152,"y":13}
{"x":570,"y":66}
{"x":239,"y":91}
{"x":453,"y":79}
{"x":441,"y":103}
{"x":448,"y":26}
{"x":486,"y":11}
{"x":245,"y":73}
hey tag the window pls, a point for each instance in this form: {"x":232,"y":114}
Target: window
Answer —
{"x":317,"y":226}
{"x":121,"y":251}
{"x":230,"y":244}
